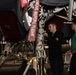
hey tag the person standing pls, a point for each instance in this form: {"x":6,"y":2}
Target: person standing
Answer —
{"x":72,"y":70}
{"x":54,"y":41}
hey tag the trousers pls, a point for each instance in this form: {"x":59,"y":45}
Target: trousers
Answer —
{"x":57,"y":67}
{"x":73,"y":65}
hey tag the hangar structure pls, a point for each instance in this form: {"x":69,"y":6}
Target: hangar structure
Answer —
{"x":22,"y":29}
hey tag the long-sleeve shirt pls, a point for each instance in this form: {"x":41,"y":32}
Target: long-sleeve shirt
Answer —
{"x":73,"y":42}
